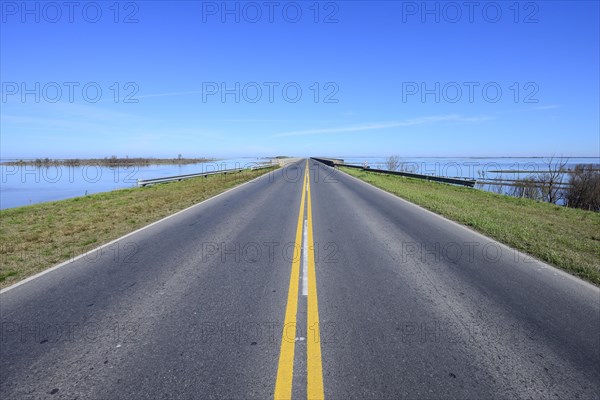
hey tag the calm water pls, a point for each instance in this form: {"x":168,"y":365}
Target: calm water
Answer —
{"x":471,"y":167}
{"x":20,"y":186}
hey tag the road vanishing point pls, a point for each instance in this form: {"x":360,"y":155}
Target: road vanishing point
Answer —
{"x":303,"y":283}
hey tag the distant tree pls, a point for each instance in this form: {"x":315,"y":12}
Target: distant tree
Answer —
{"x":584,"y":188}
{"x":499,"y":187}
{"x":392,"y":163}
{"x":551,"y":180}
{"x":528,"y":188}
{"x":179,"y":156}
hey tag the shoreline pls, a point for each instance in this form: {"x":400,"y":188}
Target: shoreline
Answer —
{"x":106,"y":162}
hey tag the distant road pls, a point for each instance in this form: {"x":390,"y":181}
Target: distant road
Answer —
{"x":380,"y":299}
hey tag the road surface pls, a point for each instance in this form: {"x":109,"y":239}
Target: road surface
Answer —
{"x":303,"y":283}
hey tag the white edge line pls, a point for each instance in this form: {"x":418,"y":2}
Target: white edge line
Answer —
{"x":305,"y":259}
{"x":62,"y":264}
{"x":520,"y":253}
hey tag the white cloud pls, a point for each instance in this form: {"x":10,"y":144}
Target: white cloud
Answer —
{"x":385,"y":125}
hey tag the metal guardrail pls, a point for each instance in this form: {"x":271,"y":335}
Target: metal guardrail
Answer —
{"x":443,"y":179}
{"x":522,"y":183}
{"x":330,"y":162}
{"x":144,"y":182}
{"x":453,"y":181}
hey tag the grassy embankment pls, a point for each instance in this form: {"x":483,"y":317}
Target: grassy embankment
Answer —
{"x":564,"y":237}
{"x":39,"y":236}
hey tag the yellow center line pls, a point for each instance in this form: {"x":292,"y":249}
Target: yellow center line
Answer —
{"x":314,"y":365}
{"x":285,"y":369}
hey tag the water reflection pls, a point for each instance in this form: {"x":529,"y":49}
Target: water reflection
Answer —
{"x":24,"y":185}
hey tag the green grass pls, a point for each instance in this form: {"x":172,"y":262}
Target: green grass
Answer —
{"x":39,"y":236}
{"x":564,"y":237}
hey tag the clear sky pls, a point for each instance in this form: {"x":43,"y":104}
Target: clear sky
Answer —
{"x":343,"y":78}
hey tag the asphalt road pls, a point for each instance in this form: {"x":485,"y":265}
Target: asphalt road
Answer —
{"x":385,"y":300}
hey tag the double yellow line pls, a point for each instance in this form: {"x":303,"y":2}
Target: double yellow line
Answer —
{"x":314,"y":366}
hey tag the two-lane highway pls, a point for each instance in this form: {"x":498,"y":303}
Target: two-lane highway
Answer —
{"x":303,"y":283}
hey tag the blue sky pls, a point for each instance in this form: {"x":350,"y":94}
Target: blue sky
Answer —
{"x":371,"y":62}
